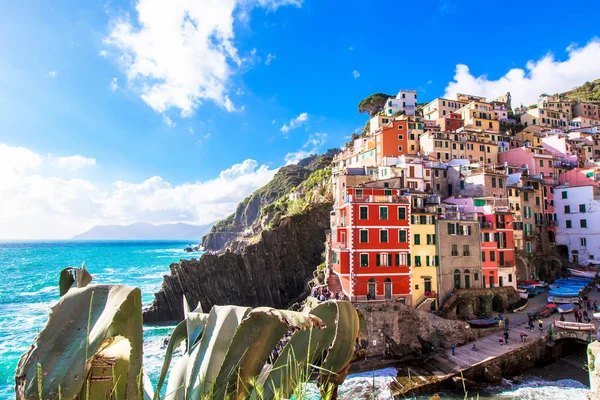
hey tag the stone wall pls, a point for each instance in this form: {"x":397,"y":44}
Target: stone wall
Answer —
{"x":395,"y":328}
{"x":593,"y":354}
{"x":465,"y":303}
{"x":272,"y":272}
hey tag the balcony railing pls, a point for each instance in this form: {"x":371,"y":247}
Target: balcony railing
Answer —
{"x":378,"y":199}
{"x":485,"y":225}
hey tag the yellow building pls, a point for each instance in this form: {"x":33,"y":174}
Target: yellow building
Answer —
{"x":479,"y":115}
{"x":425,"y":260}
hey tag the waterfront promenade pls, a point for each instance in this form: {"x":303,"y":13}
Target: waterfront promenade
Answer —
{"x":443,"y":365}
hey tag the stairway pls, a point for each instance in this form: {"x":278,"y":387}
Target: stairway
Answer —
{"x":425,"y":304}
{"x":333,"y":282}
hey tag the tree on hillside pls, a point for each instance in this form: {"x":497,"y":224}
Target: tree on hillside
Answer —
{"x":372,"y":104}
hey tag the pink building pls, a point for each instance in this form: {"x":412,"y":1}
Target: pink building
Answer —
{"x":539,"y":162}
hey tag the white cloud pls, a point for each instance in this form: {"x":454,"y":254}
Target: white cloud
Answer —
{"x":169,"y":122}
{"x":113,"y":85}
{"x":311,"y":146}
{"x":295,"y":123}
{"x":273,"y":122}
{"x":191,"y":130}
{"x":73,"y":163}
{"x":35,"y":205}
{"x":356,"y":74}
{"x":178,"y":54}
{"x":103,"y":53}
{"x":52,"y":74}
{"x":351,"y":48}
{"x":239,"y":92}
{"x":270,"y":58}
{"x":546,"y":75}
{"x":429,"y":82}
{"x":207,"y":136}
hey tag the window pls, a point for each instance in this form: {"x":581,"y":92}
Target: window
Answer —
{"x":541,"y":163}
{"x":568,"y":224}
{"x":457,"y":279}
{"x":567,"y":209}
{"x":359,"y":193}
{"x":400,"y":137}
{"x":402,"y":236}
{"x":500,"y":183}
{"x":564,"y":194}
{"x":451,"y":229}
{"x":364,"y":236}
{"x":510,"y":277}
{"x":583,"y":242}
{"x":399,"y":148}
{"x":475,"y":276}
{"x":417,"y":261}
{"x":400,"y":127}
{"x":422,"y":219}
{"x":364,"y":260}
{"x":431,"y":239}
{"x":385,"y":259}
{"x":492,"y":256}
{"x":537,"y":200}
{"x":466,"y":251}
{"x":528,"y":247}
{"x":582,"y":208}
{"x":364,"y":212}
{"x":493,"y":182}
{"x":526,"y":196}
{"x":401,"y":213}
{"x":583,"y":223}
{"x":383,"y":213}
{"x":455,"y":250}
{"x":383,"y":236}
{"x":428,"y":261}
{"x":387,"y":192}
{"x":483,"y":256}
{"x":417,"y":238}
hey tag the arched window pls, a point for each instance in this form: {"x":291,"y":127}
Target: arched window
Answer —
{"x":457,"y":279}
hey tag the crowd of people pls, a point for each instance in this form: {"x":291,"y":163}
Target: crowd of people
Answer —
{"x":323,"y":294}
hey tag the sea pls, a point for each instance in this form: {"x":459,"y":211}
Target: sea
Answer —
{"x":29,"y":288}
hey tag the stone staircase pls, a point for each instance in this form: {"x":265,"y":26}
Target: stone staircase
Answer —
{"x":425,"y":303}
{"x":333,"y":282}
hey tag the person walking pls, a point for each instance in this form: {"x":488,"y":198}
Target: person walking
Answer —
{"x":506,"y":337}
{"x":541,"y":324}
{"x":453,"y":349}
{"x":506,"y":322}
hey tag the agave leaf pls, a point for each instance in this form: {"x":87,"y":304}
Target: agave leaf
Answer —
{"x":179,"y":334}
{"x":65,"y":281}
{"x":255,"y":338}
{"x":109,"y":367}
{"x":176,"y":385}
{"x":208,"y":354}
{"x":363,"y":333}
{"x":61,"y":347}
{"x":195,"y":322}
{"x":303,"y":348}
{"x":82,"y":276}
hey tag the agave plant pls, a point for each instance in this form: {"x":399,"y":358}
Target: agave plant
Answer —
{"x":91,"y":348}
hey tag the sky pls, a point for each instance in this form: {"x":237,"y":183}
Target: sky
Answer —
{"x":114,"y":112}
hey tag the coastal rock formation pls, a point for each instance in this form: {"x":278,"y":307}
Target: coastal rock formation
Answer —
{"x":247,"y":214}
{"x":274,"y":271}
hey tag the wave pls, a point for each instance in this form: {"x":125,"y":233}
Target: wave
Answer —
{"x":47,"y":289}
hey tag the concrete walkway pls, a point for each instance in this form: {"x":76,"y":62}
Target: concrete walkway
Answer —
{"x":444,"y":364}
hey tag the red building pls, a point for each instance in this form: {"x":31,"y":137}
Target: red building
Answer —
{"x":371,"y":243}
{"x":450,"y":122}
{"x":497,"y":249}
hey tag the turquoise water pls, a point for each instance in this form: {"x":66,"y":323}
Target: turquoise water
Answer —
{"x":29,"y":287}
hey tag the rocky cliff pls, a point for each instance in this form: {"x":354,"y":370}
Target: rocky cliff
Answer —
{"x":274,"y":271}
{"x":248,"y":212}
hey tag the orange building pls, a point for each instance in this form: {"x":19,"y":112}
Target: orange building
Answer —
{"x":392,"y":140}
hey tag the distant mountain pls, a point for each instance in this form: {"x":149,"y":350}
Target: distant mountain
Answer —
{"x":146,"y":231}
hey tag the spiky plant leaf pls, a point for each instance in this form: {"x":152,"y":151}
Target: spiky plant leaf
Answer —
{"x":303,"y":349}
{"x":195,"y":322}
{"x":254,"y":340}
{"x":176,"y":386}
{"x":179,"y":335}
{"x":208,"y":354}
{"x":71,"y":275}
{"x":61,"y":346}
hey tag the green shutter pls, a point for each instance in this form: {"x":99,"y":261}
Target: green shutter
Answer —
{"x":402,"y":236}
{"x":433,"y":237}
{"x":401,"y":213}
{"x":389,"y":260}
{"x":378,"y":260}
{"x":450,"y":229}
{"x":437,"y":260}
{"x":397,"y":259}
{"x":408,"y":260}
{"x":427,"y":260}
{"x":417,"y":260}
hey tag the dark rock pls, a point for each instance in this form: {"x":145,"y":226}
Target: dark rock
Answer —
{"x":273,"y":272}
{"x":188,"y":249}
{"x":492,"y":374}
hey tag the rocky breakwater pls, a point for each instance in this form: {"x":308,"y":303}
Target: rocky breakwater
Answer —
{"x":274,"y":271}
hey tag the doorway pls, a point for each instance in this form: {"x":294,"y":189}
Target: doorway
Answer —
{"x":427,"y":285}
{"x":387,"y":288}
{"x":467,"y":279}
{"x":372,"y":288}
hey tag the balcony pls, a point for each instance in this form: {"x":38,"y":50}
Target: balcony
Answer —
{"x":378,"y":199}
{"x":485,"y":225}
{"x":501,"y":225}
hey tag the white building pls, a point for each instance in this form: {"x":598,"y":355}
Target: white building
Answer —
{"x":406,"y":101}
{"x":578,"y":215}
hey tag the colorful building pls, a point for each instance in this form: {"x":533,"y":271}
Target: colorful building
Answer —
{"x":497,"y":249}
{"x":371,"y":242}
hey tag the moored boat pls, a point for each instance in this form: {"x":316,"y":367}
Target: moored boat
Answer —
{"x":482,"y":322}
{"x":520,"y":305}
{"x":575,"y":326}
{"x":565,"y":308}
{"x":563,"y":300}
{"x":564,"y":292}
{"x":586,"y":273}
{"x":534,"y":283}
{"x":547,"y":311}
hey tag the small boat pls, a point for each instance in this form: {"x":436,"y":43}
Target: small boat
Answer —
{"x":482,"y":322}
{"x":534,"y":283}
{"x":596,"y":315}
{"x":520,"y":305}
{"x":566,"y":308}
{"x":564,"y":292}
{"x":586,"y":273}
{"x":575,"y":326}
{"x":547,"y":311}
{"x":523,"y":295}
{"x":563,"y":300}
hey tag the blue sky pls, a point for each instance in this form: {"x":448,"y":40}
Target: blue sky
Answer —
{"x":122,"y":121}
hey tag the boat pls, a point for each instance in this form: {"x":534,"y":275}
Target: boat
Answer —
{"x":547,"y":311}
{"x":575,"y":326}
{"x":523,"y":295}
{"x":596,"y":315}
{"x":482,"y":322}
{"x":586,"y":273}
{"x":564,"y":292}
{"x":534,"y":283}
{"x":563,"y":300}
{"x":520,"y":305}
{"x":566,"y":308}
